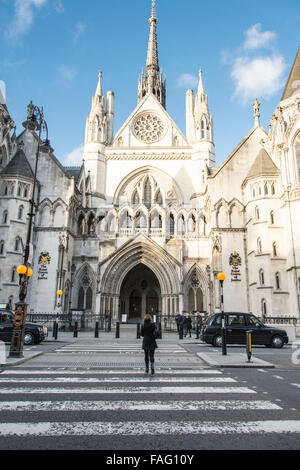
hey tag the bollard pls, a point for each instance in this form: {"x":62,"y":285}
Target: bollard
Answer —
{"x":138,"y":330}
{"x":56,"y":328}
{"x":160,"y":330}
{"x":118,"y":329}
{"x":75,"y":330}
{"x":97,"y":329}
{"x":249,"y":345}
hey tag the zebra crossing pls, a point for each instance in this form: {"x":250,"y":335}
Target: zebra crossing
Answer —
{"x":103,"y":403}
{"x":113,"y":347}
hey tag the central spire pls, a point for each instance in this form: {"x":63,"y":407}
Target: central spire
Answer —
{"x":152,"y":56}
{"x":152,"y":81}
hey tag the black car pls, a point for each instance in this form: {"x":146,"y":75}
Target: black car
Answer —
{"x":237,"y":324}
{"x":34,"y":333}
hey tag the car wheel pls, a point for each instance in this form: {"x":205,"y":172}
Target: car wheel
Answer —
{"x":277,"y":342}
{"x":217,"y":341}
{"x":28,"y":339}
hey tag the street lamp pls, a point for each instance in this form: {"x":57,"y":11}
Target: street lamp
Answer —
{"x":35,"y":122}
{"x":73,"y":270}
{"x":221,"y":277}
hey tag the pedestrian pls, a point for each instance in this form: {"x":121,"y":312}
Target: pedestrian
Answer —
{"x":189,"y":325}
{"x":184,"y":323}
{"x":178,"y":319}
{"x":149,"y":342}
{"x":198,"y":324}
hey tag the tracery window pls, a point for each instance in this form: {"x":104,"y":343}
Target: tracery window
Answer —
{"x":147,"y":193}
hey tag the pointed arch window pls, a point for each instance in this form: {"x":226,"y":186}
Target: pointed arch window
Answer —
{"x":277,"y":280}
{"x":20,"y":212}
{"x":1,"y":247}
{"x":158,"y":198}
{"x":275,"y":249}
{"x":256,"y":213}
{"x":272,"y":189}
{"x":5,"y":217}
{"x":135,"y":198}
{"x":13,"y":274}
{"x":261,"y":277}
{"x":272,"y":217}
{"x":18,"y":244}
{"x":259,"y":245}
{"x":264,"y":308}
{"x":80,"y":225}
{"x":147,"y":193}
{"x":171,"y":224}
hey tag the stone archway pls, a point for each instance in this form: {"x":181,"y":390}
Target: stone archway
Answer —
{"x":161,"y":270}
{"x":140,"y":293}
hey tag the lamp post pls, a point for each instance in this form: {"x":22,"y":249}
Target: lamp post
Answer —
{"x":221,"y":277}
{"x":35,"y":121}
{"x":73,"y":270}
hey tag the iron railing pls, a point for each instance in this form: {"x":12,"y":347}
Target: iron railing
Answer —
{"x":87,"y":320}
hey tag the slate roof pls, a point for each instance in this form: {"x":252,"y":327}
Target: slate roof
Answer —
{"x":73,"y":171}
{"x":293,"y":84}
{"x":18,"y":166}
{"x":263,"y":165}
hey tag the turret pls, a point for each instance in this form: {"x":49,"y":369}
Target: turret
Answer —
{"x":199,"y":124}
{"x":98,"y":134}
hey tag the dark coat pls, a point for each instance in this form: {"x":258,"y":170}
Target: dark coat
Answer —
{"x":147,"y":330}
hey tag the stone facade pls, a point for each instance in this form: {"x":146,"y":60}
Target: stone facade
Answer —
{"x":148,"y":220}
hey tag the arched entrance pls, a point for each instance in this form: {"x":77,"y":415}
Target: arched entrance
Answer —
{"x":140,"y":293}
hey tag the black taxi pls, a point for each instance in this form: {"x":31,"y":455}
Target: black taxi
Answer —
{"x":237,"y":324}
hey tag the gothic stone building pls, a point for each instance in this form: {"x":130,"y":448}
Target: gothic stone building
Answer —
{"x":148,"y":220}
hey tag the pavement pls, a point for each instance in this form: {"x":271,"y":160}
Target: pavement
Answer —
{"x":213,"y":358}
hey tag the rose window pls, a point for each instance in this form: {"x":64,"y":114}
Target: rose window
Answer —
{"x":148,"y":128}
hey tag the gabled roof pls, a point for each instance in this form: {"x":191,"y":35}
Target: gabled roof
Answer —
{"x":154,"y":105}
{"x":263,"y":165}
{"x":293,"y":84}
{"x":73,"y":171}
{"x":18,"y":166}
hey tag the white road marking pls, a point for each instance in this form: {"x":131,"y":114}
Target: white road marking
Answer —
{"x":112,"y":390}
{"x":115,"y":379}
{"x":135,"y":428}
{"x":194,"y":372}
{"x":103,"y":405}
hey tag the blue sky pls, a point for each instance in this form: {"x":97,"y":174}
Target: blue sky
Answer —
{"x":52,"y":50}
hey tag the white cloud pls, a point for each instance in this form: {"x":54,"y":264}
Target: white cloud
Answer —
{"x":67,"y":73}
{"x":59,"y":7}
{"x":24,"y":17}
{"x":187,"y":80}
{"x":257,"y":68}
{"x":256,"y":39}
{"x":257,"y":77}
{"x":78,"y":31}
{"x":74,"y":158}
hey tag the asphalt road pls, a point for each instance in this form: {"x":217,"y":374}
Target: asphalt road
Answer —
{"x":64,"y":401}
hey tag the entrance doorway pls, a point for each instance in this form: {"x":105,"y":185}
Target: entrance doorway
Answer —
{"x":140,"y":294}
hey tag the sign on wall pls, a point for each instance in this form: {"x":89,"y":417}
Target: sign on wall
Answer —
{"x":235,"y":261}
{"x":44,"y":260}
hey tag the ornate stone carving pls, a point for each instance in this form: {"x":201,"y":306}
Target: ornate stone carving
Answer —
{"x":148,"y":128}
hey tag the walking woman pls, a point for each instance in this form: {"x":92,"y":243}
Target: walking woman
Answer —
{"x":149,"y":342}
